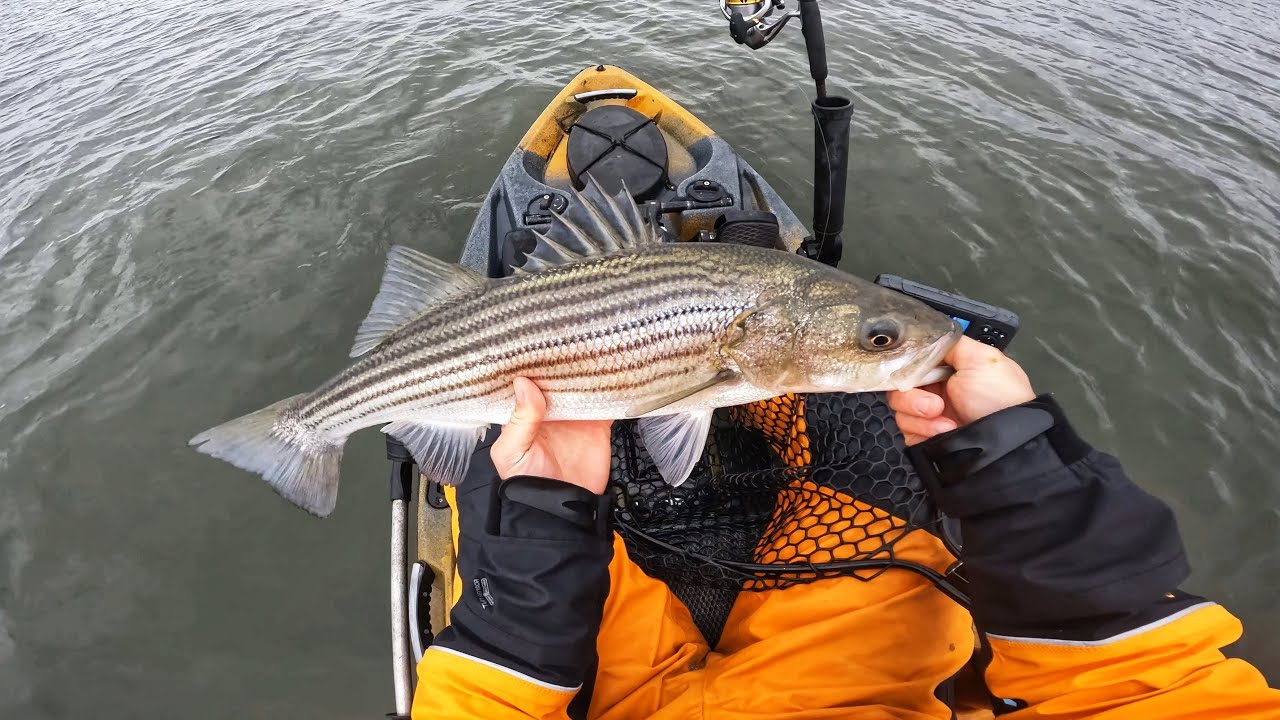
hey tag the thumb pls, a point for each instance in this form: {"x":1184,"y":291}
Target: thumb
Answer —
{"x":969,"y":354}
{"x":519,"y":432}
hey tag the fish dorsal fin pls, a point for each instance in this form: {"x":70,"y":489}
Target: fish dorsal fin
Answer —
{"x":593,"y":224}
{"x":413,"y":282}
{"x":549,"y":253}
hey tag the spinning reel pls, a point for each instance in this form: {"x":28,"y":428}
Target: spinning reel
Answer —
{"x":750,"y":21}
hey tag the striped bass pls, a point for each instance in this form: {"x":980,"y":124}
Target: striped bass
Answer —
{"x":610,"y":323}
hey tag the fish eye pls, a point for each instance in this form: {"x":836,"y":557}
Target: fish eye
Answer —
{"x":881,"y":334}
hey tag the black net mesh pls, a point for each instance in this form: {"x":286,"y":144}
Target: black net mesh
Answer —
{"x":790,"y":490}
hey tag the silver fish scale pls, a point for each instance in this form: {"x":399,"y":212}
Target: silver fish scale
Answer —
{"x":600,"y":337}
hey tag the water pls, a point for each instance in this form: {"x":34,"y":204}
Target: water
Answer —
{"x":195,"y":203}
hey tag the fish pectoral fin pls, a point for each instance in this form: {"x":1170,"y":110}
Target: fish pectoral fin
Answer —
{"x":719,"y":378}
{"x":443,"y":452}
{"x":675,"y":442}
{"x":413,"y":281}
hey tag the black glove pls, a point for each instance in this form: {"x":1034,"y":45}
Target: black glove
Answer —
{"x":1057,"y":541}
{"x":533,"y":557}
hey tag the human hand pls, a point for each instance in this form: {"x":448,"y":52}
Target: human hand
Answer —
{"x":576,"y":452}
{"x":986,"y":381}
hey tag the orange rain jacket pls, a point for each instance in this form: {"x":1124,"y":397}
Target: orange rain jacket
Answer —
{"x":1072,"y":569}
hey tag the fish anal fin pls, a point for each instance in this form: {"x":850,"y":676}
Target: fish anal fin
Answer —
{"x":675,"y":442}
{"x":412,"y":282}
{"x":443,"y":452}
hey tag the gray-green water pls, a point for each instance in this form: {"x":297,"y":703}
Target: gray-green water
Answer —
{"x":195,"y":202}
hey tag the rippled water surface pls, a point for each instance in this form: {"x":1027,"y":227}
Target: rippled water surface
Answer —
{"x":196,"y":199}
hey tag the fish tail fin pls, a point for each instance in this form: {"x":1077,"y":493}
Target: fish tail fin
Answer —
{"x":295,"y":461}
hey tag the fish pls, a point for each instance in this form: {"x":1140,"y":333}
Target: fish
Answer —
{"x":610,"y":322}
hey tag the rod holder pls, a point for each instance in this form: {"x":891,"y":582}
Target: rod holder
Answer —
{"x":832,"y":115}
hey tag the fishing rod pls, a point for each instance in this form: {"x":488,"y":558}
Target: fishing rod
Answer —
{"x":754,"y":23}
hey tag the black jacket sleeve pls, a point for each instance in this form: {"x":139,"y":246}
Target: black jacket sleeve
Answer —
{"x":1057,"y":542}
{"x":533,"y":557}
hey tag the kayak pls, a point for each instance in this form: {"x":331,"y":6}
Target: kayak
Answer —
{"x":609,"y":126}
{"x":789,"y":490}
{"x":727,"y":528}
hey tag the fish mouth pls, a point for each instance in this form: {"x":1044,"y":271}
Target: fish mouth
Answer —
{"x":930,"y":369}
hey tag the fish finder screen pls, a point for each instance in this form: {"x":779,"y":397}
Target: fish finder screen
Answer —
{"x":964,"y":324}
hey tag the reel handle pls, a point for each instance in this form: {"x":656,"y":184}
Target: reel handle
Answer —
{"x":753,"y":29}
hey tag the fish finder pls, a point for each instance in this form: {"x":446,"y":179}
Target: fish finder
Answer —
{"x":985,"y":323}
